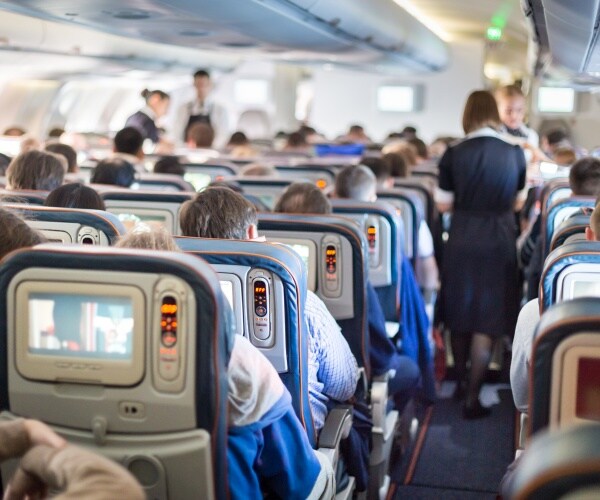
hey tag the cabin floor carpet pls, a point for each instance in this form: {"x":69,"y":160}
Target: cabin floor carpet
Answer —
{"x":463,"y":458}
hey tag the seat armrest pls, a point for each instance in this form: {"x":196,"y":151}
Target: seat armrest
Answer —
{"x":379,"y":397}
{"x":337,"y":427}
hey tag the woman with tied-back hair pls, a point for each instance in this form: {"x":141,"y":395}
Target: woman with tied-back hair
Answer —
{"x":481,"y":180}
{"x":157,"y":104}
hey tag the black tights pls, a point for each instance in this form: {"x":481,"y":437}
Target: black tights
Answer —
{"x":480,"y":347}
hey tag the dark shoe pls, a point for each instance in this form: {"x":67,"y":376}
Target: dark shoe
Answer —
{"x":460,"y":391}
{"x":475,"y":411}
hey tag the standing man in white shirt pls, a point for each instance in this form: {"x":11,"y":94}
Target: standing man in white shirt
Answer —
{"x":202,"y":109}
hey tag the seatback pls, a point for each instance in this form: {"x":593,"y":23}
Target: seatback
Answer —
{"x":140,"y":376}
{"x":411,"y":213}
{"x":266,"y":189}
{"x":565,"y":366}
{"x":557,"y":213}
{"x":422,"y":188}
{"x":322,"y":176}
{"x":384,"y":232}
{"x":570,"y":230}
{"x":72,"y":225}
{"x":553,"y":191}
{"x":268,"y":291}
{"x":570,"y":271}
{"x":563,"y":464}
{"x":162,"y":182}
{"x":340,"y":248}
{"x":143,"y":206}
{"x":201,"y":175}
{"x":23,"y":196}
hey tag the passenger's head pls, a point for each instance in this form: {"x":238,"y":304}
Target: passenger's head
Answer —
{"x":145,"y":237}
{"x":381,"y":169}
{"x":303,"y":198}
{"x":238,"y":139}
{"x":67,"y":151}
{"x":13,"y":132}
{"x":480,"y":111}
{"x":409,"y":132}
{"x":584,"y":177}
{"x":258,"y":170}
{"x":356,"y":182}
{"x":565,"y":157}
{"x":29,"y":143}
{"x":129,"y":140}
{"x":296,"y":140}
{"x":169,"y":165}
{"x":439,"y":145}
{"x":75,"y":195}
{"x":397,"y":165}
{"x":200,"y":135}
{"x":4,"y":163}
{"x":218,"y":212}
{"x":403,"y":148}
{"x":55,"y":132}
{"x":114,"y":171}
{"x":157,"y":100}
{"x":36,"y":170}
{"x":202,"y":84}
{"x":511,"y":105}
{"x":420,"y":147}
{"x":553,"y":140}
{"x":16,"y":233}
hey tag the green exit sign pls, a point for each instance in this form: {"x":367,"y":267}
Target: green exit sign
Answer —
{"x":494,"y":33}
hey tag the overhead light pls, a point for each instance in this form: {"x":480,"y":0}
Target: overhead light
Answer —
{"x":424,"y":19}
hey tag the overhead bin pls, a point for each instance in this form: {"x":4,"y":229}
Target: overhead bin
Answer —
{"x":374,"y":34}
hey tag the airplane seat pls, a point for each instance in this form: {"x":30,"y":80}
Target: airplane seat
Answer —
{"x":557,"y":213}
{"x":560,"y":465}
{"x":201,"y":175}
{"x":570,"y":271}
{"x":340,"y":246}
{"x":570,"y":230}
{"x":266,"y":285}
{"x":384,"y":231}
{"x":255,"y":123}
{"x":565,"y":377}
{"x":553,"y":191}
{"x":321,"y":175}
{"x":425,"y":192}
{"x":124,"y":352}
{"x":161,"y":182}
{"x":72,"y":225}
{"x":153,"y":207}
{"x":28,"y":197}
{"x":266,"y":189}
{"x":411,"y":212}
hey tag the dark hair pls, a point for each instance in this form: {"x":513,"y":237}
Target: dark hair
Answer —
{"x":296,"y":140}
{"x":378,"y":166}
{"x":114,"y":171}
{"x":36,"y":170}
{"x":356,"y":128}
{"x":202,"y":73}
{"x":238,"y":139}
{"x":4,"y":163}
{"x":556,"y":135}
{"x":169,"y":165}
{"x":355,"y":182}
{"x":128,"y":140}
{"x":64,"y":150}
{"x":481,"y":110}
{"x":409,"y":132}
{"x":303,"y":198}
{"x":217,"y":212}
{"x":16,"y":233}
{"x":420,"y":146}
{"x":201,"y":134}
{"x":75,"y":195}
{"x":14,"y":131}
{"x":55,"y":132}
{"x":397,"y":164}
{"x":147,"y":94}
{"x":584,"y":177}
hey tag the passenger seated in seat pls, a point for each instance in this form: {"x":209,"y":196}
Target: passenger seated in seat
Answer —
{"x":75,"y":195}
{"x":264,"y":435}
{"x":16,"y":233}
{"x":49,"y":463}
{"x":127,"y":145}
{"x":332,"y":370}
{"x":116,"y":172}
{"x":67,"y":151}
{"x":36,"y":170}
{"x":304,"y":197}
{"x":427,"y":270}
{"x":525,"y":329}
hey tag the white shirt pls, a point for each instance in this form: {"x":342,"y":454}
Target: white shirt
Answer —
{"x":219,"y":120}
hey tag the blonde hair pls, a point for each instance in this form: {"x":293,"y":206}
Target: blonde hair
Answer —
{"x":508,"y":91}
{"x":481,"y":110}
{"x":143,"y":236}
{"x":403,"y":148}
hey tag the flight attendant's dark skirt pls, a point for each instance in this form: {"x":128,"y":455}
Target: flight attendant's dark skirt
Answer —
{"x":480,"y":275}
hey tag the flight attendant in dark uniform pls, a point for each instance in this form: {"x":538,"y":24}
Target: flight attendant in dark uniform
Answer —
{"x":157,"y":103}
{"x":481,"y":181}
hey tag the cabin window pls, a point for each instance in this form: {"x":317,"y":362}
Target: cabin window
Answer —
{"x":255,"y":92}
{"x":397,"y":98}
{"x":556,"y":100}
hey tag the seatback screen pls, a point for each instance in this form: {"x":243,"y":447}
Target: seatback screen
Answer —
{"x":588,"y":389}
{"x":81,"y":326}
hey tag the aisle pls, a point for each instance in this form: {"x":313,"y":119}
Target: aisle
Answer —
{"x":462,"y":459}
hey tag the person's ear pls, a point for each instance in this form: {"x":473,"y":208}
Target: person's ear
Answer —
{"x":589,"y":234}
{"x":252,"y":232}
